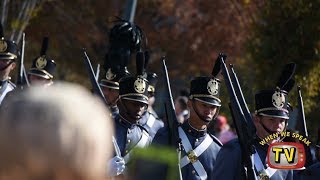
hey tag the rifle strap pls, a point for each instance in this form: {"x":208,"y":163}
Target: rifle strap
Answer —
{"x":193,"y":154}
{"x":142,"y":143}
{"x":4,"y":90}
{"x":150,"y":120}
{"x":262,"y":172}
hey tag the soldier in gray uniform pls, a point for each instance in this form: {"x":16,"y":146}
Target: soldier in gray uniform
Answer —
{"x":271,"y":116}
{"x":8,"y":56}
{"x":125,"y":39}
{"x":43,"y":67}
{"x":132,"y":103}
{"x":200,"y":148}
{"x":150,"y":119}
{"x":110,"y":82}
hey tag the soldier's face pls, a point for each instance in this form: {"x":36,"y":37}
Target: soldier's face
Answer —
{"x":6,"y":66}
{"x":272,"y":124}
{"x":134,"y":109}
{"x":36,"y":80}
{"x":111,"y":95}
{"x":204,"y":111}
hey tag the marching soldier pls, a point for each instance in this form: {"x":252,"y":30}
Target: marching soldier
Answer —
{"x":45,"y":134}
{"x":43,"y":67}
{"x":200,"y":148}
{"x":150,"y":119}
{"x":132,"y":104}
{"x":271,"y":116}
{"x":125,"y":39}
{"x":8,"y":56}
{"x":110,"y":83}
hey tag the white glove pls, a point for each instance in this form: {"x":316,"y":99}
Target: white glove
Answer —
{"x":116,"y":166}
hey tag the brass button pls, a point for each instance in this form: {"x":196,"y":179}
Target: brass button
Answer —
{"x":127,"y":151}
{"x":189,"y":130}
{"x":193,"y":171}
{"x":197,"y":140}
{"x":129,"y":141}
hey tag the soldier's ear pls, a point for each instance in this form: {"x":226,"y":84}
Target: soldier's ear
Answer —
{"x":256,"y":118}
{"x":189,"y":103}
{"x":13,"y":65}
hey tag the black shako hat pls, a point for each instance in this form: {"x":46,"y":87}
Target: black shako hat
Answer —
{"x":152,"y":79}
{"x":207,"y":89}
{"x":135,"y":88}
{"x":274,"y":102}
{"x":8,"y":49}
{"x":115,"y":68}
{"x":43,"y":66}
{"x":150,"y":76}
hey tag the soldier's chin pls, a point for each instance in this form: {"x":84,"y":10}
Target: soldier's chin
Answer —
{"x":206,"y":119}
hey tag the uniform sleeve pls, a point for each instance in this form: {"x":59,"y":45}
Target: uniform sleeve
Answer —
{"x":228,"y":163}
{"x":161,"y":138}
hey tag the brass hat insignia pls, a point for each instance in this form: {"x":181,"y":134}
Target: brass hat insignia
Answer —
{"x":3,"y":45}
{"x":110,"y":75}
{"x":41,"y":62}
{"x":140,"y":85}
{"x":213,"y":87}
{"x":278,"y":99}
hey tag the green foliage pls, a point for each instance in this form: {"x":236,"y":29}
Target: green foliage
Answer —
{"x":288,"y":31}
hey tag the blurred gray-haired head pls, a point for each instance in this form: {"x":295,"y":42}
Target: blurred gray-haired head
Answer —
{"x":59,"y":132}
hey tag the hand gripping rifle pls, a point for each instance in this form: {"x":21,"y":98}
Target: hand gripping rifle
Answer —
{"x":172,"y":120}
{"x":304,"y":130}
{"x":22,"y":78}
{"x":241,"y":118}
{"x":95,"y":86}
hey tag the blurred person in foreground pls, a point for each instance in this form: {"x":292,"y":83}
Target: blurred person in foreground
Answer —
{"x":60,"y":132}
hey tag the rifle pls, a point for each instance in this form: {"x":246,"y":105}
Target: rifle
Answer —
{"x":173,"y":123}
{"x":242,"y":101}
{"x":130,"y":10}
{"x":97,"y":72}
{"x":245,"y":134}
{"x":95,"y":86}
{"x":304,"y":130}
{"x":22,"y":77}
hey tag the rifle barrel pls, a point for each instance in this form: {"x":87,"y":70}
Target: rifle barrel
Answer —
{"x":95,"y":86}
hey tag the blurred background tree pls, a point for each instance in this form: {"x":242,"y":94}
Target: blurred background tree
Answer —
{"x":259,"y":37}
{"x":288,"y":31}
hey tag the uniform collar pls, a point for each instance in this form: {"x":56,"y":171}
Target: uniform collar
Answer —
{"x":144,"y":119}
{"x":3,"y":82}
{"x":193,"y":131}
{"x":123,"y":121}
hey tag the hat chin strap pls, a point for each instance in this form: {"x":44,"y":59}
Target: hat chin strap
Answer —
{"x":127,"y":112}
{"x":272,"y":132}
{"x":200,"y":117}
